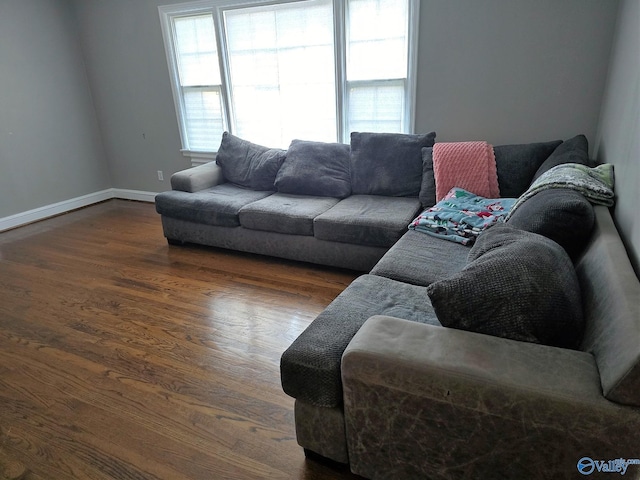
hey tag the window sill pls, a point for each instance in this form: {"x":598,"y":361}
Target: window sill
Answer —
{"x":199,"y":158}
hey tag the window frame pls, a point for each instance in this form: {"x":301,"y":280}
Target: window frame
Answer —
{"x":216,"y":8}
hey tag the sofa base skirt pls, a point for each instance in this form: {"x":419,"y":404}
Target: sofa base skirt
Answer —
{"x":292,"y":247}
{"x":321,"y":431}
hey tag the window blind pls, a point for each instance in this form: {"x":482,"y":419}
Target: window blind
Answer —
{"x":282,"y":71}
{"x":199,"y":75}
{"x":377,"y":65}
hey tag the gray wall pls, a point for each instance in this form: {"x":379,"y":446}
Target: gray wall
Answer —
{"x":505,"y":71}
{"x":618,"y":139}
{"x":127,"y":68}
{"x":511,"y":71}
{"x":50,"y":147}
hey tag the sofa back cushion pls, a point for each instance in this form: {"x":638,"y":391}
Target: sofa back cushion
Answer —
{"x":247,"y":164}
{"x":315,"y":168}
{"x":610,"y":291}
{"x":515,"y":164}
{"x":387,"y":163}
{"x":574,"y":150}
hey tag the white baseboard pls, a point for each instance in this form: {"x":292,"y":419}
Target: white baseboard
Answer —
{"x":47,"y":211}
{"x":138,"y":195}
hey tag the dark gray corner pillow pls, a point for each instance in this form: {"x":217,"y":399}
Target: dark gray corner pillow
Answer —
{"x":518,"y":285}
{"x":561,"y":214}
{"x":247,"y":164}
{"x":388,"y":163}
{"x":574,"y":150}
{"x":427,"y":194}
{"x":315,"y":168}
{"x":517,"y":164}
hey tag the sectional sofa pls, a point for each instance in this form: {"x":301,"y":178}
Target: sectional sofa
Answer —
{"x":515,"y":357}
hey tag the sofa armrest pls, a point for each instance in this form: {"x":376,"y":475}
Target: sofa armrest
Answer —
{"x":428,"y":401}
{"x":433,"y":360}
{"x":197,"y":178}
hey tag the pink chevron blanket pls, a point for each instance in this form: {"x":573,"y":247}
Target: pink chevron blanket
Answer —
{"x":467,"y":165}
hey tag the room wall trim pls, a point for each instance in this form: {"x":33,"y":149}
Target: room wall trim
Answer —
{"x":40,"y":213}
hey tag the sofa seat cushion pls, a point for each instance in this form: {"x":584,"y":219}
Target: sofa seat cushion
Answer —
{"x":217,"y":205}
{"x":367,"y":220}
{"x":421,"y":259}
{"x":284,"y":213}
{"x":310,"y":367}
{"x":518,"y":285}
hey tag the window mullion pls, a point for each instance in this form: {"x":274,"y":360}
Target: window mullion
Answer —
{"x":339,"y":16}
{"x":224,"y":69}
{"x":412,"y":65}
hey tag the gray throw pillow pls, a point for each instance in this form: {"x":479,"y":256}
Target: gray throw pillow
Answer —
{"x":561,"y":214}
{"x":247,"y":164}
{"x":315,"y":168}
{"x":515,"y":164}
{"x":574,"y":150}
{"x":387,"y":163}
{"x":518,"y":285}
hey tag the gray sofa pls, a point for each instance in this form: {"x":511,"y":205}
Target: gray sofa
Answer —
{"x":325,"y":203}
{"x":380,"y":383}
{"x":546,"y":384}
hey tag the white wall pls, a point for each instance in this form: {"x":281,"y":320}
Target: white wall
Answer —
{"x":50,"y":146}
{"x":618,"y":139}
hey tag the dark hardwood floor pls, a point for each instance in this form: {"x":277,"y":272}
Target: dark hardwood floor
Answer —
{"x":122,"y":357}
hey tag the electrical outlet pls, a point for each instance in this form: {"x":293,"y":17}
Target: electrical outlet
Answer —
{"x":160,"y":175}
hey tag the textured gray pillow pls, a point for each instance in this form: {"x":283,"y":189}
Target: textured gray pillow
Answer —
{"x":249,"y":165}
{"x":518,"y":285}
{"x":315,"y":168}
{"x":574,"y":150}
{"x":387,"y":163}
{"x":563,"y":215}
{"x":516,"y":165}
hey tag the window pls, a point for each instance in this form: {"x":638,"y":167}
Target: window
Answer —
{"x":308,"y":69}
{"x":377,"y":65}
{"x":199,"y":79}
{"x":282,"y":72}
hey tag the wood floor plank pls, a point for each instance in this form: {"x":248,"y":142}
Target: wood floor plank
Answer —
{"x":122,"y":357}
